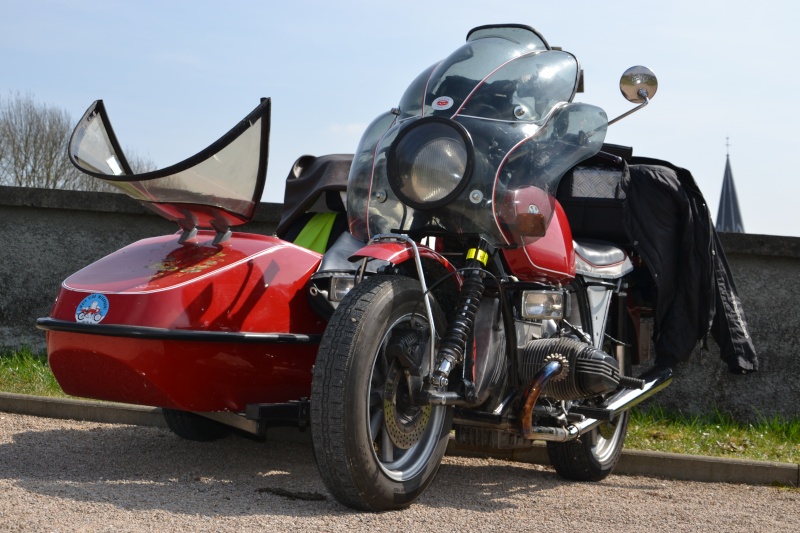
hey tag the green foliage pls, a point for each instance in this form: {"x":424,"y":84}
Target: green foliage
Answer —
{"x":717,"y":434}
{"x":26,"y":372}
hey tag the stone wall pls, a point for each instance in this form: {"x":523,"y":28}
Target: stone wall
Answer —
{"x":47,"y":235}
{"x":766,"y":271}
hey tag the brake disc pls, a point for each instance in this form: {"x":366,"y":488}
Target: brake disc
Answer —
{"x":405,"y":423}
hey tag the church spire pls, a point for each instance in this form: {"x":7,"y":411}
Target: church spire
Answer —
{"x":729,"y":217}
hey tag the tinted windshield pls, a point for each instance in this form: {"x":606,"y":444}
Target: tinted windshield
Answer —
{"x":512,"y":96}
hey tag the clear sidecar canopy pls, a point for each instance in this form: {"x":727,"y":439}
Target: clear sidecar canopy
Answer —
{"x":216,"y":188}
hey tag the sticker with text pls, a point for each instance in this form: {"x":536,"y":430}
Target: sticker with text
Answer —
{"x":442,"y":103}
{"x":92,"y":309}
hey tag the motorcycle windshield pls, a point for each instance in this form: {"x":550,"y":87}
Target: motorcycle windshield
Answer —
{"x":217,"y":188}
{"x":509,"y":99}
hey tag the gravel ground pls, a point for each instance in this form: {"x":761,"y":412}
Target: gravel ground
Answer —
{"x":60,"y":475}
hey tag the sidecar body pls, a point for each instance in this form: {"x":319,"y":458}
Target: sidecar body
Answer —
{"x":190,"y":326}
{"x":206,"y":319}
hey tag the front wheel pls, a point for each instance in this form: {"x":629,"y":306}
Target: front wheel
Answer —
{"x":376,"y":450}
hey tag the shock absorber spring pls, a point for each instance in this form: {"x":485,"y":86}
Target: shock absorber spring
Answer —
{"x":454,"y":342}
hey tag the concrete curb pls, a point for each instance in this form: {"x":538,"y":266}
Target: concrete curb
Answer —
{"x":109,"y":413}
{"x":665,"y":465}
{"x":632,"y":462}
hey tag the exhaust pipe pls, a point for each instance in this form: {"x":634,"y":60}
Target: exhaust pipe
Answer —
{"x":618,"y":403}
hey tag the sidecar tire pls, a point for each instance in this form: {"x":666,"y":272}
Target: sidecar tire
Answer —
{"x":358,"y":461}
{"x":191,"y":426}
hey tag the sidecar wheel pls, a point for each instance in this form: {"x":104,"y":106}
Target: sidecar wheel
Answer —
{"x":194,"y":427}
{"x":375,"y":450}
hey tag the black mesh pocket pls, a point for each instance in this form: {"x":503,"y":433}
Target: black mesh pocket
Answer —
{"x":593,"y":197}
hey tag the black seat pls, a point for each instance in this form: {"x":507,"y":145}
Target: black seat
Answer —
{"x":315,"y":185}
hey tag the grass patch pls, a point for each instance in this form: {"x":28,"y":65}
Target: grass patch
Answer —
{"x":653,"y":429}
{"x":25,"y":372}
{"x":717,"y":435}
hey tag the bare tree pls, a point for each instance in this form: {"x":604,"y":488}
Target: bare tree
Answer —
{"x":33,"y":139}
{"x":33,"y":148}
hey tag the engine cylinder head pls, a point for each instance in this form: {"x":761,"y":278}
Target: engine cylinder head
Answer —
{"x":586,"y":372}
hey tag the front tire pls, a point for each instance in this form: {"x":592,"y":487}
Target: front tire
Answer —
{"x":375,"y":450}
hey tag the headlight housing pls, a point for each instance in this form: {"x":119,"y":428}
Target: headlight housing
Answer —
{"x":430,"y":162}
{"x":543,"y":305}
{"x":340,"y":286}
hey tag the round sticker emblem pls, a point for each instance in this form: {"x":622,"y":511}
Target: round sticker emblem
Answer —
{"x":442,"y":103}
{"x":92,"y":309}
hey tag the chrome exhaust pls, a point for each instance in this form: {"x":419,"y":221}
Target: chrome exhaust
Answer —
{"x":618,"y":403}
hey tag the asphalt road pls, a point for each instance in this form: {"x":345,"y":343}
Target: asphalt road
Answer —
{"x":63,"y":475}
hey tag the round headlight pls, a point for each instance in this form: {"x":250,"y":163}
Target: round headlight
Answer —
{"x":429,"y":162}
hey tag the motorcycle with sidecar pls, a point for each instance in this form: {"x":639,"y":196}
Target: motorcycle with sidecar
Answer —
{"x":452,"y":279}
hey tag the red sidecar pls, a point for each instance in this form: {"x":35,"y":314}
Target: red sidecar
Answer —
{"x":189,"y":326}
{"x":206,"y":319}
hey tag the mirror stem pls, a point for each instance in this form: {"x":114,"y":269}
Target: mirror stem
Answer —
{"x":643,"y":94}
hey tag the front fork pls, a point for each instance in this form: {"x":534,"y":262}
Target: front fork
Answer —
{"x":453,"y":347}
{"x":454,"y":342}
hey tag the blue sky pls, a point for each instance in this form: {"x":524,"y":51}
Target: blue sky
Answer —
{"x":176,"y":75}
